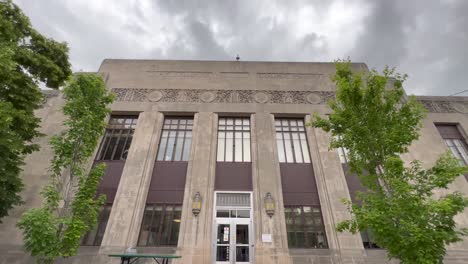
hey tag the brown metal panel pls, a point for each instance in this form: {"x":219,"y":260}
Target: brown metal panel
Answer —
{"x":449,"y":131}
{"x":299,"y":186}
{"x":167,"y":182}
{"x":233,"y":176}
{"x":110,"y":180}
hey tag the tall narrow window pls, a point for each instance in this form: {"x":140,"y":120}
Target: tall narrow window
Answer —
{"x":354,"y":186}
{"x":160,"y":226}
{"x":113,"y":152}
{"x":117,"y":138}
{"x":455,"y":141}
{"x":291,"y":141}
{"x":234,"y":139}
{"x":94,"y":237}
{"x":176,"y":139}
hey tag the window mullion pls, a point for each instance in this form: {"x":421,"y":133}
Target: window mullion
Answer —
{"x":111,"y":134}
{"x":150,"y":226}
{"x":160,"y":226}
{"x":125,"y":143}
{"x":166,"y":143}
{"x":116,"y":146}
{"x":103,"y":145}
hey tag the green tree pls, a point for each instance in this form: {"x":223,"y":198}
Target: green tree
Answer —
{"x":377,"y":124}
{"x":70,"y":207}
{"x":26,"y":58}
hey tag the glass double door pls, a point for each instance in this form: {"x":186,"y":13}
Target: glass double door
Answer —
{"x":233,"y":241}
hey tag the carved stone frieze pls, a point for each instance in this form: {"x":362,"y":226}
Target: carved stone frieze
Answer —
{"x":221,"y":96}
{"x":439,"y":106}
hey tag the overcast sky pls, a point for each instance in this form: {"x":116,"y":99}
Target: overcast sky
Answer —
{"x":426,"y":39}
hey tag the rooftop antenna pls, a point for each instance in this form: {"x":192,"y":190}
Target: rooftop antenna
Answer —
{"x":237,"y":57}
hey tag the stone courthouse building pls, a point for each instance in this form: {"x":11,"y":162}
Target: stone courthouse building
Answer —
{"x":212,"y":161}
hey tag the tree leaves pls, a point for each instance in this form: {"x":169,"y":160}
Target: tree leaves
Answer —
{"x":70,"y":184}
{"x":376,"y":124}
{"x":26,"y":57}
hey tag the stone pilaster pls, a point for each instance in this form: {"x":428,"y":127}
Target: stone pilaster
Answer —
{"x":267,"y":178}
{"x":332,"y":187}
{"x":195,"y":237}
{"x":129,"y":204}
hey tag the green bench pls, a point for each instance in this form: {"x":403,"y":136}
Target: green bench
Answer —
{"x":128,"y":258}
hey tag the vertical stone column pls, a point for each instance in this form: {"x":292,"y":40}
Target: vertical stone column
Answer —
{"x":129,"y":204}
{"x":332,"y":187}
{"x":195,"y":236}
{"x":267,"y":178}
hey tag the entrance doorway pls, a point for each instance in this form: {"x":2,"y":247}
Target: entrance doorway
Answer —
{"x":233,"y":240}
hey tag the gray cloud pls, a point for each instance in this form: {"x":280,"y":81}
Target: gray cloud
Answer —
{"x":426,"y":39}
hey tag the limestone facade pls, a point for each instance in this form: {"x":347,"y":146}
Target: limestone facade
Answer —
{"x":207,"y":91}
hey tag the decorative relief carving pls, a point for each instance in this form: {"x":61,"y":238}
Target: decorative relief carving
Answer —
{"x":261,"y":97}
{"x":222,"y":96}
{"x":445,"y":106}
{"x":314,"y":98}
{"x":154,"y":96}
{"x":207,"y":97}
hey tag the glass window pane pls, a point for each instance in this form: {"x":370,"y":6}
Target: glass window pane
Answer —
{"x":449,"y":142}
{"x":167,"y":225}
{"x":222,"y":121}
{"x":279,"y":144}
{"x":175,"y":226}
{"x":162,"y":145}
{"x":242,"y":234}
{"x":119,"y":148}
{"x":243,"y":213}
{"x":238,"y":147}
{"x":297,"y":148}
{"x":145,"y":227}
{"x":246,"y":121}
{"x":170,"y":145}
{"x":229,"y":121}
{"x":127,"y":147}
{"x":187,"y":145}
{"x":246,"y":150}
{"x":238,"y":122}
{"x":305,"y":151}
{"x":104,"y":146}
{"x":179,"y":145}
{"x":288,"y":147}
{"x":229,"y":146}
{"x":220,"y":155}
{"x":222,"y":213}
{"x":110,"y":148}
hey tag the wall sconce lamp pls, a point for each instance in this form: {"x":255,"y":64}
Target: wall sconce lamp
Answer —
{"x":196,"y":204}
{"x":269,"y":204}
